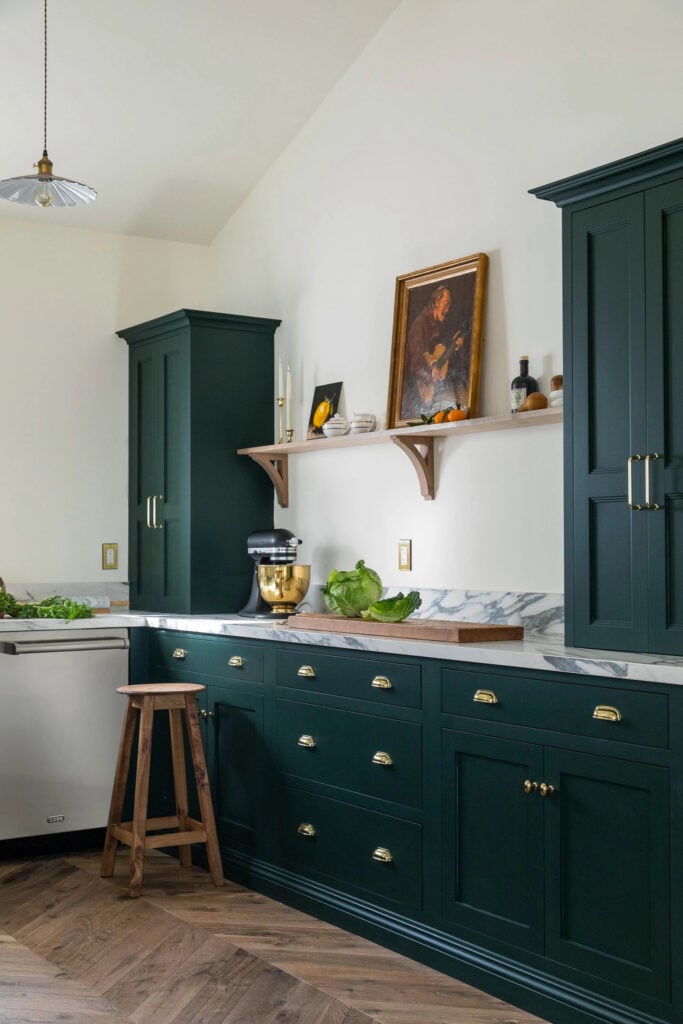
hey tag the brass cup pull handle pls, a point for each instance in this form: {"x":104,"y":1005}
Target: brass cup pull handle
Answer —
{"x":382,"y":683}
{"x":383,"y":855}
{"x":306,"y":829}
{"x":381,"y":757}
{"x":237,"y":661}
{"x":545,"y":789}
{"x":606,"y":713}
{"x":648,"y":504}
{"x":179,"y":653}
{"x":203,"y":713}
{"x":306,"y":741}
{"x":530,"y":786}
{"x":307,"y":672}
{"x":485,"y":697}
{"x":629,"y":471}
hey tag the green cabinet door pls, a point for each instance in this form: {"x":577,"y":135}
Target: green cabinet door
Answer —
{"x":493,"y":835}
{"x":607,"y":869}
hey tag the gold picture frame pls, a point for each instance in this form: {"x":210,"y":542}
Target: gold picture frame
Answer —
{"x":437,"y":340}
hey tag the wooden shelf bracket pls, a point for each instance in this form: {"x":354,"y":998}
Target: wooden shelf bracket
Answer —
{"x":420,"y":451}
{"x":277,"y":468}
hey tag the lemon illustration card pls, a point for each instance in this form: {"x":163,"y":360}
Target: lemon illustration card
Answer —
{"x":325,"y":404}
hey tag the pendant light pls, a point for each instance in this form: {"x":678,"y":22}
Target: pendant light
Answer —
{"x":45,"y":188}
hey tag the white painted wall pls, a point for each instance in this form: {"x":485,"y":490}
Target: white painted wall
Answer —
{"x":64,"y":388}
{"x":424,"y":152}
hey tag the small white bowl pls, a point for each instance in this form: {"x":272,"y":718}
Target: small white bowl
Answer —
{"x":362,"y":422}
{"x":335,"y":426}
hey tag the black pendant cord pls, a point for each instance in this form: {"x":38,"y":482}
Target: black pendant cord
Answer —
{"x":45,"y":80}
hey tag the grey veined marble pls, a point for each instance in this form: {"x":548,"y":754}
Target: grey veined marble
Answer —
{"x":538,"y":613}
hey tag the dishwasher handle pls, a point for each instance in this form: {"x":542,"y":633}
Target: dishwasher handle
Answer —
{"x":101,"y":643}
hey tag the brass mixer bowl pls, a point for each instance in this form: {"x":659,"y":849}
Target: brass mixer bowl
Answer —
{"x":283,"y":587}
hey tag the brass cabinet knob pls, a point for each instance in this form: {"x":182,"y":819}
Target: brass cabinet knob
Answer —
{"x":381,"y":757}
{"x":307,"y":671}
{"x":306,"y":829}
{"x":382,"y":683}
{"x":485,"y":697}
{"x":237,"y":661}
{"x":203,"y":713}
{"x":530,"y":786}
{"x":606,"y":713}
{"x":179,"y":653}
{"x":546,"y":790}
{"x":306,"y":741}
{"x":383,"y":855}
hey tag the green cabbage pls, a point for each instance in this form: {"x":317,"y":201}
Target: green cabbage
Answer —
{"x":348,"y":593}
{"x":393,"y":609}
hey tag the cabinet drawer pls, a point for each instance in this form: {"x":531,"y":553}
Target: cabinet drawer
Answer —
{"x":352,"y":846}
{"x":396,"y":684}
{"x":376,"y":756}
{"x":603,"y":712}
{"x":231,"y":658}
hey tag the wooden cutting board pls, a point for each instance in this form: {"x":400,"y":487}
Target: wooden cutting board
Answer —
{"x":443,"y":630}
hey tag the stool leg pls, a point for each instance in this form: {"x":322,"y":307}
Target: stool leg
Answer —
{"x":118,"y":792}
{"x":179,"y":780}
{"x":203,"y":790}
{"x":139,"y":825}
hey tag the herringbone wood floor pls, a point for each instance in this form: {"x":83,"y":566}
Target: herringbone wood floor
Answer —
{"x":75,"y":949}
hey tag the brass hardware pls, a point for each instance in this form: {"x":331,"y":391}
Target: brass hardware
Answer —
{"x":485,"y":697}
{"x":306,"y":829}
{"x":210,"y":714}
{"x":383,"y":855}
{"x":203,"y":713}
{"x":179,"y":653}
{"x":237,"y":661}
{"x":629,"y":464}
{"x":607,"y":714}
{"x":382,"y":683}
{"x":381,"y":757}
{"x":648,"y":504}
{"x":306,"y":741}
{"x":545,"y":789}
{"x":530,"y":786}
{"x":155,"y":498}
{"x":149,"y":522}
{"x":307,"y":671}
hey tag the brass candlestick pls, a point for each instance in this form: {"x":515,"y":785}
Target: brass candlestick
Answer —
{"x":281,"y":405}
{"x":290,"y":434}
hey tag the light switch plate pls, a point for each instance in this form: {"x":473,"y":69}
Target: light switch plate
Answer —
{"x":110,"y":556}
{"x":405,"y":555}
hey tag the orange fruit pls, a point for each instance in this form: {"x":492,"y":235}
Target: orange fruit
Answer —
{"x":439,"y":416}
{"x":456,"y":414}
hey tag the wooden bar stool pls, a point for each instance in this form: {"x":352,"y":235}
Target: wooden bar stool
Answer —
{"x":144,"y":700}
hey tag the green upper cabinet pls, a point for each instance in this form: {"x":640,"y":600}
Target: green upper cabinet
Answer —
{"x":623,"y":368}
{"x":201,"y":386}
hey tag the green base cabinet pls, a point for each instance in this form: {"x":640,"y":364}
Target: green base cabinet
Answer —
{"x":200,"y":388}
{"x":518,"y":830}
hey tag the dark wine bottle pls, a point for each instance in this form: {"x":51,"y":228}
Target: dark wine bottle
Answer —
{"x":522,"y":385}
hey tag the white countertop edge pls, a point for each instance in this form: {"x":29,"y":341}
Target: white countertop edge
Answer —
{"x":536,"y":651}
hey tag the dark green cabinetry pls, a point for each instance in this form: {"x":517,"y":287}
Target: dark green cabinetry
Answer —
{"x":519,"y":830}
{"x":623,"y":372}
{"x":200,"y":387}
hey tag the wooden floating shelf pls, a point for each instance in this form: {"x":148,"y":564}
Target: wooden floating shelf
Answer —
{"x":416,"y":442}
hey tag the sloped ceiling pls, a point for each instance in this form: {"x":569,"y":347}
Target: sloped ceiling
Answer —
{"x":171,"y":109}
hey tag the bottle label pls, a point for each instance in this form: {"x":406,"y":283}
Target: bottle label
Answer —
{"x":517,"y":396}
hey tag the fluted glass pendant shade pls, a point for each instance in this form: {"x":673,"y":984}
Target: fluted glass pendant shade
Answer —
{"x":45,"y":188}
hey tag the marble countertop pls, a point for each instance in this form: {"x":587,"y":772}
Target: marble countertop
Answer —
{"x":536,"y":651}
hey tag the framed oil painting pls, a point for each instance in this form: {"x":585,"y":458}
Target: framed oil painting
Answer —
{"x":325,"y":404}
{"x":437,"y":340}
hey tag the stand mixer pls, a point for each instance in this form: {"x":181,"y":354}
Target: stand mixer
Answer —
{"x":267,"y":547}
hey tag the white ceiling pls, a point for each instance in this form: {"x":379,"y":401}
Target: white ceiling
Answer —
{"x":171,"y":109}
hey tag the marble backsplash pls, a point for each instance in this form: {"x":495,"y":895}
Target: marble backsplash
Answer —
{"x":97,"y":595}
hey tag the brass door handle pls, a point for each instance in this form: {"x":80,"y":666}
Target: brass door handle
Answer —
{"x":606,"y":713}
{"x":307,"y":671}
{"x":629,"y":471}
{"x":179,"y":653}
{"x":306,"y":829}
{"x":546,"y":790}
{"x":306,"y":741}
{"x":381,"y":757}
{"x":485,"y":697}
{"x":382,"y":683}
{"x":237,"y":661}
{"x":149,"y":503}
{"x":155,"y":498}
{"x":530,"y":786}
{"x":648,"y":504}
{"x":383,"y":855}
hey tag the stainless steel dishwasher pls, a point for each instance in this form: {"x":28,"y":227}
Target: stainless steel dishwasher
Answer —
{"x":60,"y":724}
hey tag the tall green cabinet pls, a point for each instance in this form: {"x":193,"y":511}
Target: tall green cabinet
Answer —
{"x":201,"y":386}
{"x":623,"y":372}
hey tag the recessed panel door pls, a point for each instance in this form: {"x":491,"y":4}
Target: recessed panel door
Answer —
{"x":145,"y":475}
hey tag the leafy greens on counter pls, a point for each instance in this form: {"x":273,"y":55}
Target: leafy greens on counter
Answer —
{"x":357,"y":593}
{"x":49,"y":608}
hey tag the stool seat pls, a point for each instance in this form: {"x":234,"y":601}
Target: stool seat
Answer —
{"x":143,"y":700}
